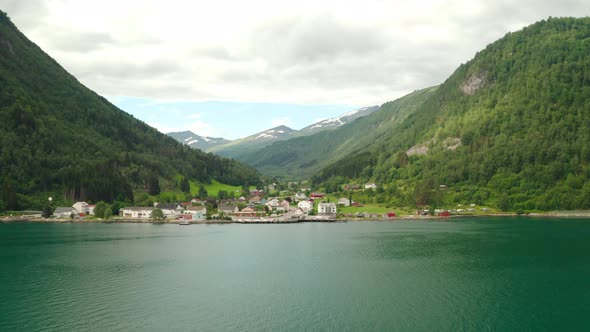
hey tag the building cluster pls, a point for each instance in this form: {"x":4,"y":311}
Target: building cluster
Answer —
{"x":255,"y":206}
{"x":80,"y":209}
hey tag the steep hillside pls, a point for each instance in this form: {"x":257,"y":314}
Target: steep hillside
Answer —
{"x":60,"y":139}
{"x":301,"y":157}
{"x":240,"y":147}
{"x":510,"y":127}
{"x":196,"y":141}
{"x":336,"y":122}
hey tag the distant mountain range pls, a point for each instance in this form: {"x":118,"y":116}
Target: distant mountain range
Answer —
{"x":244,"y":146}
{"x":337,"y":121}
{"x":197,"y":142}
{"x":509,"y":128}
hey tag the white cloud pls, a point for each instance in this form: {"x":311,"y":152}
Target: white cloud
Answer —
{"x":353,"y":52}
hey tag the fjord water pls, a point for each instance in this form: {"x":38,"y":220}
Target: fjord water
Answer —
{"x":461,"y":274}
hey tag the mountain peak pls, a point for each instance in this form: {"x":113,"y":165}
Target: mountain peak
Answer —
{"x":196,"y":141}
{"x":338,"y":121}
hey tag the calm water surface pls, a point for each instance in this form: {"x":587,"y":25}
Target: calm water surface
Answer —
{"x":470,"y":274}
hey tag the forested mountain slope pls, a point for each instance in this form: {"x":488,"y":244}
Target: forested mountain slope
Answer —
{"x":510,"y":127}
{"x":301,"y":157}
{"x":60,"y":139}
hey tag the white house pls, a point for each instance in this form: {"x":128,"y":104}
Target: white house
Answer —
{"x":326,"y":208}
{"x":305,"y":206}
{"x":299,"y":212}
{"x":273,"y":204}
{"x":300,"y":197}
{"x":136,"y":212}
{"x":285,"y":204}
{"x":370,"y":186}
{"x":198,"y":212}
{"x":82,"y":207}
{"x":64,"y":212}
{"x":228,"y":209}
{"x":170,"y":210}
{"x":344,"y":201}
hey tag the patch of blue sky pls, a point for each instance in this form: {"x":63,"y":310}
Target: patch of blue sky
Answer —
{"x":230,"y":120}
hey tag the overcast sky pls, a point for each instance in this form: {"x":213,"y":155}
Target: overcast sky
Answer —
{"x":232,"y":68}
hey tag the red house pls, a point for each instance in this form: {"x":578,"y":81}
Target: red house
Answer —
{"x":317,"y":195}
{"x":186,"y":217}
{"x":391,"y":214}
{"x":444,"y":214}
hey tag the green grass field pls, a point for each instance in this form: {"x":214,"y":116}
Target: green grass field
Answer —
{"x":215,"y":186}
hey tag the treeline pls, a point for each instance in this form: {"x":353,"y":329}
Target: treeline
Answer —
{"x":509,"y":128}
{"x":58,"y":138}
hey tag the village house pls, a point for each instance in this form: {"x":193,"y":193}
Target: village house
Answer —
{"x":170,"y":210}
{"x":84,"y":208}
{"x":273,"y":203}
{"x":326,"y":208}
{"x":390,"y":215}
{"x":136,"y":212}
{"x":344,"y":201}
{"x":255,"y":199}
{"x":247,"y":212}
{"x":370,"y":186}
{"x":197,"y":212}
{"x":305,"y":206}
{"x":256,"y":192}
{"x":351,"y":187}
{"x":64,"y":212}
{"x":227,"y":209}
{"x":300,"y":197}
{"x":285,"y":204}
{"x":317,"y":195}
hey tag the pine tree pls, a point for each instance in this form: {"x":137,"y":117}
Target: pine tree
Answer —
{"x":202,"y":192}
{"x":185,"y":185}
{"x":47,"y":211}
{"x":154,"y":185}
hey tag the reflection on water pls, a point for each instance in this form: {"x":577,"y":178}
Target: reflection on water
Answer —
{"x":467,"y":274}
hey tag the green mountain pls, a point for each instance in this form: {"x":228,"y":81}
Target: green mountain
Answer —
{"x":336,"y":122}
{"x":301,"y":157}
{"x":511,"y":127}
{"x":196,"y":141}
{"x":60,"y":139}
{"x":251,"y":147}
{"x":251,"y":144}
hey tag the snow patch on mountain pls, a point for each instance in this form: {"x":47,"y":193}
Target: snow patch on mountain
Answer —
{"x":265,"y":135}
{"x":341,"y":120}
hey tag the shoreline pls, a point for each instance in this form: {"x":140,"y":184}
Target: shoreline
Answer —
{"x":556,"y":214}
